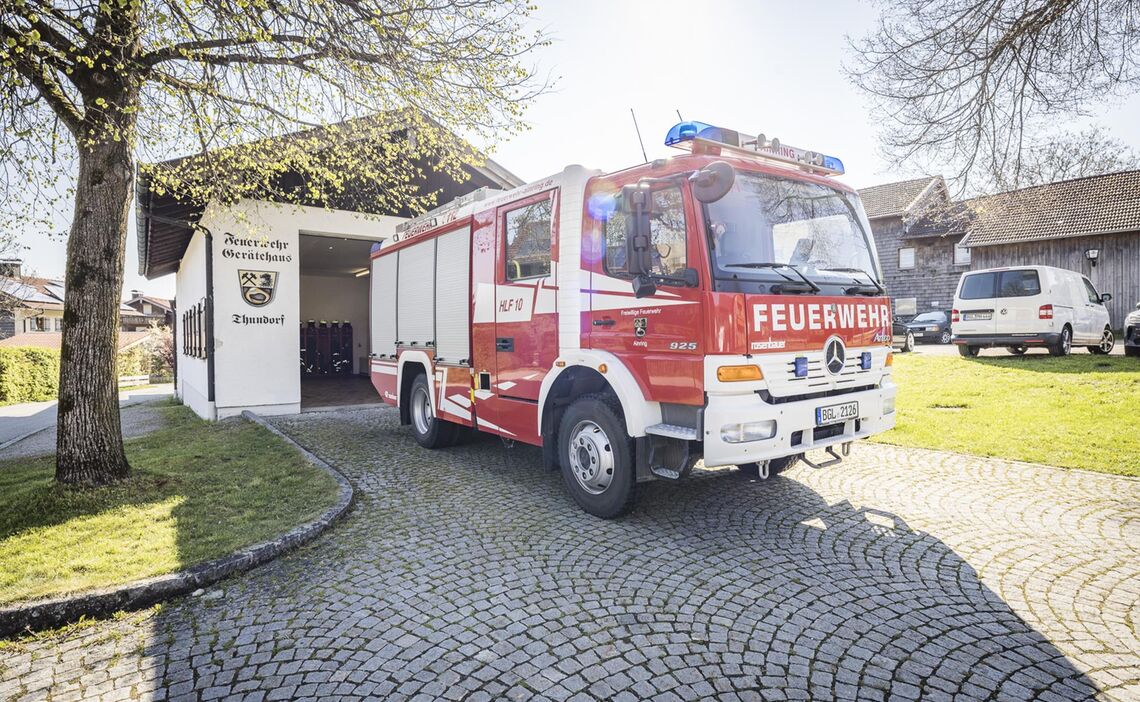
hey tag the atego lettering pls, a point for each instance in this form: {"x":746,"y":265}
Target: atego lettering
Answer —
{"x":819,"y":316}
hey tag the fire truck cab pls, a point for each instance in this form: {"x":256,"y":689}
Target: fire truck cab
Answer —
{"x":723,"y":305}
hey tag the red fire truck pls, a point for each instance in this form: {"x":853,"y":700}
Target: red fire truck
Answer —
{"x":722,"y":305}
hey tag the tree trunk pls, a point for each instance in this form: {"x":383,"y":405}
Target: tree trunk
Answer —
{"x":89,"y":449}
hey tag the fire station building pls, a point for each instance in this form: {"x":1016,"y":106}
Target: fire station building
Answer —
{"x":271,"y":305}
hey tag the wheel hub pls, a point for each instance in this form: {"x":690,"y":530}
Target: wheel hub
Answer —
{"x":591,"y":457}
{"x":421,"y":411}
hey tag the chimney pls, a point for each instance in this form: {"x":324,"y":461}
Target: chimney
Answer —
{"x":136,"y":294}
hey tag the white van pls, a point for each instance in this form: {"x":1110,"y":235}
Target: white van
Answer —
{"x":1029,"y":306}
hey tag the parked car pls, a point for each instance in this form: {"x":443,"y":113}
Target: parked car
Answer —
{"x":902,"y":338}
{"x":1132,"y":333}
{"x":1029,"y":306}
{"x":933,"y":326}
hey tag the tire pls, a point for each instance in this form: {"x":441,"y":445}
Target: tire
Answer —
{"x":1064,"y":345}
{"x":596,"y":455}
{"x":969,"y":351}
{"x":945,"y":337}
{"x":775,"y":466}
{"x":1133,"y":351}
{"x":430,"y":432}
{"x":1017,"y":350}
{"x":908,"y":343}
{"x":1107,"y":342}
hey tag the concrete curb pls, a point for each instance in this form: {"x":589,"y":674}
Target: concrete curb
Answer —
{"x":21,"y":437}
{"x":45,"y":614}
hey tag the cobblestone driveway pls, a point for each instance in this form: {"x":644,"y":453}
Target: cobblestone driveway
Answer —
{"x":902,"y":574}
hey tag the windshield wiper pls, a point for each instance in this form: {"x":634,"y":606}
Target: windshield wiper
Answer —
{"x":860,"y":288}
{"x":776,"y":267}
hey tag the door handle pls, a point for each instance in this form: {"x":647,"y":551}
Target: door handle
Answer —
{"x":504,"y":343}
{"x":604,"y":322}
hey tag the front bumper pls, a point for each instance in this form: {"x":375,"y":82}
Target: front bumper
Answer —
{"x":1047,"y":339}
{"x":795,"y":423}
{"x":1132,"y":335}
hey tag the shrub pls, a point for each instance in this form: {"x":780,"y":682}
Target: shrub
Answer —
{"x":28,"y":374}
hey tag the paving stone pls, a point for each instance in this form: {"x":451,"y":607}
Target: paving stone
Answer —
{"x":467,"y":573}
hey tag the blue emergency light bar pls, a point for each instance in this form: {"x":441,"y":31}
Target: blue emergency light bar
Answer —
{"x":684,"y":134}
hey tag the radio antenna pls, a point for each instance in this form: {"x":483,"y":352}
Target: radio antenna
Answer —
{"x":638,"y":130}
{"x":679,"y":116}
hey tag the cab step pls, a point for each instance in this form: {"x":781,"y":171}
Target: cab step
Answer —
{"x":673,"y":431}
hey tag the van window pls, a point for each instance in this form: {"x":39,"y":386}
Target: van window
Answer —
{"x":1019,"y":284}
{"x":666,"y":233}
{"x":978,"y":286}
{"x":528,"y":240}
{"x":1094,"y":296}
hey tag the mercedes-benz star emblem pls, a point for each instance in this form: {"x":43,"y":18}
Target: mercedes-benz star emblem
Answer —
{"x":834,"y":355}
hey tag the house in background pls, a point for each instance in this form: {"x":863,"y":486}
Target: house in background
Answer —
{"x":30,"y":305}
{"x":926,"y":241}
{"x":1090,"y":225}
{"x":918,"y":241}
{"x":149,"y":311}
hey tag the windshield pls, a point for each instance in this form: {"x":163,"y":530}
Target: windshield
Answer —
{"x":768,"y":219}
{"x":930,"y":317}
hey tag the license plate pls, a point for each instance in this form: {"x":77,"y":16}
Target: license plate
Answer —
{"x":974,"y":316}
{"x":833,"y":414}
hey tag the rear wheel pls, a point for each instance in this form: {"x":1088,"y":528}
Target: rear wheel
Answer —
{"x":596,"y":454}
{"x":945,"y":337}
{"x":1018,"y":350}
{"x":1107,"y":342}
{"x":1064,"y":345}
{"x":430,"y":431}
{"x":969,"y":351}
{"x":775,"y":466}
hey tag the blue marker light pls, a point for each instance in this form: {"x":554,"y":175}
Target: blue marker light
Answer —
{"x":865,"y":360}
{"x":684,"y":131}
{"x":833,"y":163}
{"x":801,"y":366}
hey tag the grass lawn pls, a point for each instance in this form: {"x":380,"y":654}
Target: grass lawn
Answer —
{"x":1081,"y":411}
{"x":198,"y":491}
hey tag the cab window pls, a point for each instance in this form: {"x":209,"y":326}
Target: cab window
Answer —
{"x":528,"y":240}
{"x":1094,"y":296}
{"x":666,"y":232}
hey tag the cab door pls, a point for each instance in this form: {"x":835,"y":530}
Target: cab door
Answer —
{"x":526,"y":323}
{"x":659,"y":337}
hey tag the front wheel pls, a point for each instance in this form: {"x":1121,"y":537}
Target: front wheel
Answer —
{"x":1107,"y":342}
{"x":945,"y":337}
{"x":597,"y":457}
{"x":969,"y":351}
{"x":908,"y":343}
{"x":775,"y":466}
{"x":430,"y":431}
{"x":1064,"y":344}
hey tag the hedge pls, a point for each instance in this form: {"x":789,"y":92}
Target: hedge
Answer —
{"x":28,"y":374}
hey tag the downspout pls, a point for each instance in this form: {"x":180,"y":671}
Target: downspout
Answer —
{"x":209,"y":315}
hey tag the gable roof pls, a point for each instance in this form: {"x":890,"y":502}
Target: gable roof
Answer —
{"x":33,"y":292}
{"x":160,"y":302}
{"x":1105,"y":204}
{"x":897,"y":199}
{"x":164,"y":224}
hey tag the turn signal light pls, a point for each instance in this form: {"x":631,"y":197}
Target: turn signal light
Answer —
{"x":890,"y":360}
{"x":1045,"y":312}
{"x":732,"y":374}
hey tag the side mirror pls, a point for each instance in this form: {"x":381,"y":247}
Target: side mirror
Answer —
{"x":643,"y":286}
{"x":637,"y":200}
{"x":1105,"y":297}
{"x":712,"y":182}
{"x":691,"y":277}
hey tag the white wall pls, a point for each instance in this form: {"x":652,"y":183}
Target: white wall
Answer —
{"x":343,"y":298}
{"x":256,"y":362}
{"x":190,"y":289}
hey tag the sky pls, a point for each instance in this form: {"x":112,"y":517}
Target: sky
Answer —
{"x":770,"y":67}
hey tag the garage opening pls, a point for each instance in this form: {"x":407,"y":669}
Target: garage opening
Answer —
{"x":333,"y":337}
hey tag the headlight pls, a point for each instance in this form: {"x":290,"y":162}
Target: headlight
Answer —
{"x":888,"y":405}
{"x":748,"y":431}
